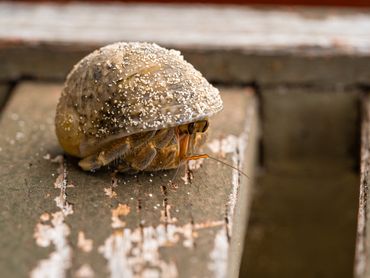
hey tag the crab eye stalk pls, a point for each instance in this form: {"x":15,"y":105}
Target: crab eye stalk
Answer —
{"x":205,"y":127}
{"x":191,"y":128}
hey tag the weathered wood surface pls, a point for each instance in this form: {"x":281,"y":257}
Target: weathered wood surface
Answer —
{"x":57,"y":220}
{"x":362,"y":260}
{"x":194,"y":25}
{"x":229,"y":44}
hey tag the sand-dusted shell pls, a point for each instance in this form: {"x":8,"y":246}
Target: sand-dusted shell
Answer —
{"x":127,"y":88}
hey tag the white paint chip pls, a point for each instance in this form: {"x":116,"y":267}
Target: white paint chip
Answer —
{"x":120,"y":210}
{"x":219,"y":254}
{"x":247,"y":28}
{"x":236,"y":147}
{"x":85,"y":271}
{"x":83,"y":243}
{"x":59,"y":260}
{"x":45,"y":217}
{"x":109,"y":192}
{"x":55,"y":233}
{"x":134,"y":253}
{"x":61,"y":183}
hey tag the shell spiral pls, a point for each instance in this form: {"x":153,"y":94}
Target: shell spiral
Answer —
{"x":127,"y":88}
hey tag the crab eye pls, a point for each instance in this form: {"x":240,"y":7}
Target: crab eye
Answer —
{"x":205,"y":127}
{"x":191,"y":127}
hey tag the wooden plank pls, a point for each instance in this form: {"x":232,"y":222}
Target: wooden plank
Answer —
{"x":268,"y":46}
{"x":247,"y":28}
{"x":59,"y":220}
{"x":53,"y":61}
{"x":362,"y":259}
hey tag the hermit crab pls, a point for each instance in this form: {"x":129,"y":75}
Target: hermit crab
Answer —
{"x":137,"y":106}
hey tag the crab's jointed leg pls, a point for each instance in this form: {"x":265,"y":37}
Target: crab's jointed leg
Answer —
{"x":109,"y":153}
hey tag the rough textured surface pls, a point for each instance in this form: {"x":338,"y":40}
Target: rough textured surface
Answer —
{"x":257,"y":45}
{"x":54,"y":61}
{"x":362,"y":260}
{"x":66,"y":222}
{"x":128,"y":88}
{"x":274,"y":29}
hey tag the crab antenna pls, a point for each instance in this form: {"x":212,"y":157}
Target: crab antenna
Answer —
{"x":195,"y":157}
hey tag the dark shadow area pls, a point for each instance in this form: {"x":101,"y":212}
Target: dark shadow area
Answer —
{"x":5,"y":92}
{"x":303,"y":224}
{"x":304,"y":212}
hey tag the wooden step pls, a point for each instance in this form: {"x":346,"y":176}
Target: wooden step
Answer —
{"x":228,"y":44}
{"x":362,"y":257}
{"x":62,"y":221}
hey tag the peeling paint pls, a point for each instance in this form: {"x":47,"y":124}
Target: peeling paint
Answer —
{"x":47,"y":156}
{"x":219,"y":254}
{"x":109,"y":192}
{"x":224,"y":146}
{"x":187,"y":177}
{"x":131,"y":253}
{"x":56,"y":232}
{"x":135,"y":253}
{"x":236,"y":147}
{"x":61,"y":183}
{"x":45,"y":217}
{"x":83,"y":243}
{"x":195,"y":164}
{"x":166,"y":215}
{"x":247,"y":28}
{"x":59,"y":260}
{"x":85,"y":271}
{"x":121,"y":210}
{"x":190,"y":166}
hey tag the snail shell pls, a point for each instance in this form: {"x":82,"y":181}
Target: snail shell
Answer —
{"x":128,"y":88}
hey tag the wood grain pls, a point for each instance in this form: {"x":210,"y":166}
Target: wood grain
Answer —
{"x":196,"y":25}
{"x":66,"y":222}
{"x":228,"y":44}
{"x":362,"y":259}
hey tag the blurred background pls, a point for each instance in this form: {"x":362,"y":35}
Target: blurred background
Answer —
{"x":308,"y":63}
{"x":343,"y":3}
